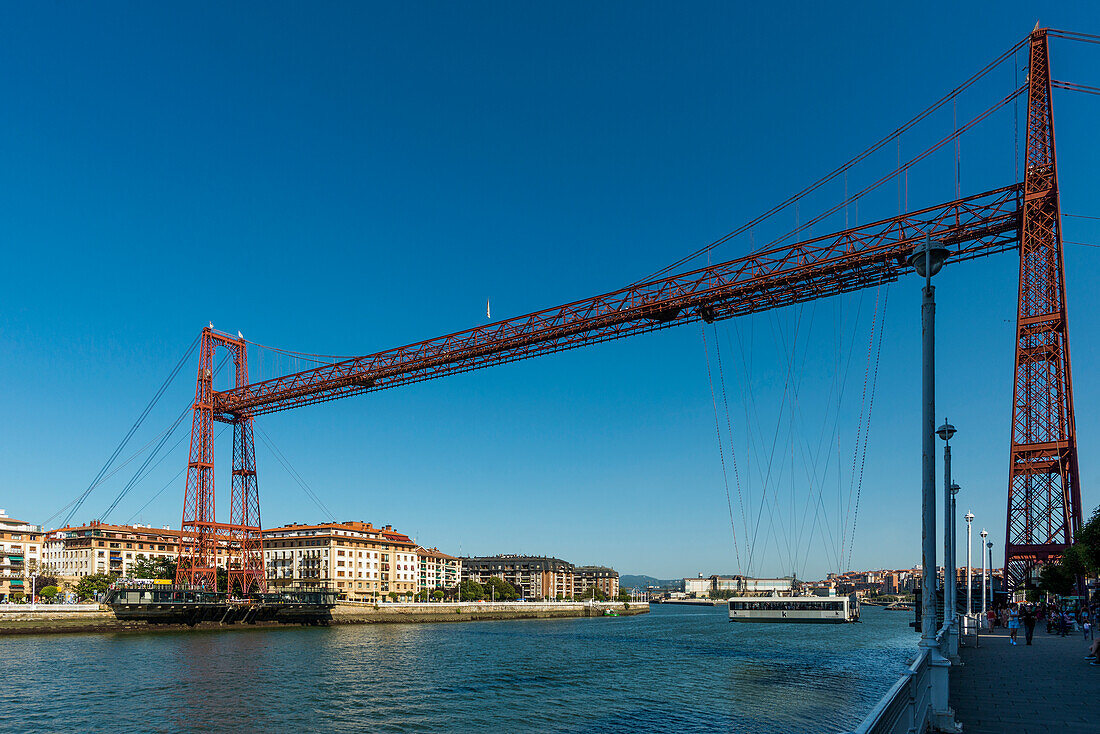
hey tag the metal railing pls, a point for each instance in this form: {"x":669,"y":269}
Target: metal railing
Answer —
{"x":907,"y":708}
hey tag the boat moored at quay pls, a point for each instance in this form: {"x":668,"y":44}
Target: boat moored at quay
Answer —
{"x":805,"y":609}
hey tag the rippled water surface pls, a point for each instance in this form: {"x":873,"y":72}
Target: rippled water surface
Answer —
{"x":677,"y":669}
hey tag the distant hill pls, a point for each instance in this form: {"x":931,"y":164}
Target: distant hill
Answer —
{"x":632,"y":581}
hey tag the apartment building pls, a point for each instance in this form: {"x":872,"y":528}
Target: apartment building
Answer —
{"x":534,"y":577}
{"x":362,"y":562}
{"x":97,"y":547}
{"x":600,"y":577}
{"x":437,"y":569}
{"x":20,"y":554}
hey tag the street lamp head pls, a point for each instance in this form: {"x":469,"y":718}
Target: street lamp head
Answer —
{"x":954,"y":489}
{"x":928,"y":253}
{"x":969,"y":516}
{"x":983,"y":533}
{"x":946,"y":431}
{"x":989,"y":545}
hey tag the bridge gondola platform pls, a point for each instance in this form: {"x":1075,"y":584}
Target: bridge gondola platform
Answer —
{"x":171,"y":604}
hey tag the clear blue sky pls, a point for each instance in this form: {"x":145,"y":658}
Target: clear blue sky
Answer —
{"x":342,"y":178}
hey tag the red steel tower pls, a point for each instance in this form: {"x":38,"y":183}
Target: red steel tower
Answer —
{"x":1044,"y":494}
{"x":200,"y":534}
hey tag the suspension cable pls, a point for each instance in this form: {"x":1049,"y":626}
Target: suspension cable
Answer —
{"x":866,"y":435}
{"x":844,"y":167}
{"x":298,"y":478}
{"x":75,"y":505}
{"x":1074,"y":87}
{"x":141,"y":472}
{"x":169,"y":483}
{"x":906,"y":166}
{"x":721,"y":452}
{"x":729,"y":432}
{"x":1074,"y":36}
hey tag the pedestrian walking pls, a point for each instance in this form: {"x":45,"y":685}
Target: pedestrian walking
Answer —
{"x":1029,"y":624}
{"x":1013,"y":615}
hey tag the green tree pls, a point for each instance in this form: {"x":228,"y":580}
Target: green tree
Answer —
{"x":624,"y":595}
{"x":438,"y":594}
{"x":500,"y":590}
{"x":89,"y":586}
{"x":393,"y":596}
{"x":1080,"y":559}
{"x":471,"y":590}
{"x":48,"y":592}
{"x":423,"y":595}
{"x":1054,"y":578}
{"x":1087,"y":543}
{"x":153,"y":568}
{"x":41,"y":582}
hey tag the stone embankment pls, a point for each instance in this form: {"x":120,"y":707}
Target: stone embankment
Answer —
{"x":54,"y":619}
{"x":356,"y":613}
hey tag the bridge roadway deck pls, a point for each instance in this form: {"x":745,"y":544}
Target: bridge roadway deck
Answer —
{"x":1045,"y":687}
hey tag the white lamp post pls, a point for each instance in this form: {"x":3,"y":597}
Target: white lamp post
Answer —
{"x":989,"y":545}
{"x":983,"y":534}
{"x":969,"y":581}
{"x":945,"y":432}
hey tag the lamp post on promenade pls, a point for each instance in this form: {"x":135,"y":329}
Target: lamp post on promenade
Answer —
{"x":969,"y":580}
{"x":989,"y":545}
{"x":954,"y":642}
{"x":927,"y":259}
{"x":945,"y":432}
{"x":981,"y":550}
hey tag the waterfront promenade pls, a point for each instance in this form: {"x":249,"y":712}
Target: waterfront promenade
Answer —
{"x":1044,"y":687}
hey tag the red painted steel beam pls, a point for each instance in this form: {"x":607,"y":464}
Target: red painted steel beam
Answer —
{"x":846,"y":261}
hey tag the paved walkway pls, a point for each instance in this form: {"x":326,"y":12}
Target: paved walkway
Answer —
{"x":1047,"y":687}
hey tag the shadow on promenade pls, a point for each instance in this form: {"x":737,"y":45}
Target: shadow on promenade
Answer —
{"x":1045,"y":687}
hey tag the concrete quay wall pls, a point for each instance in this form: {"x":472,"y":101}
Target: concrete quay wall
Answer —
{"x":61,"y":619}
{"x":361,"y":613}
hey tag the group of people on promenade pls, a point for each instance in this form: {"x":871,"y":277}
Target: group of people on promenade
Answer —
{"x":1061,"y":618}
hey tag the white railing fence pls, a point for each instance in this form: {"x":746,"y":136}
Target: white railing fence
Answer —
{"x":907,"y":706}
{"x":919,"y":698}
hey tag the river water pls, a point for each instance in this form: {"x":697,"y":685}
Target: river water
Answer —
{"x":676,"y":669}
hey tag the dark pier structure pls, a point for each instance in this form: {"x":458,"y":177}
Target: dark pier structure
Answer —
{"x":183,"y":604}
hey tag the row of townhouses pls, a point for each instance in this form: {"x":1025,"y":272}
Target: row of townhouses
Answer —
{"x":907,"y":580}
{"x":363,"y":562}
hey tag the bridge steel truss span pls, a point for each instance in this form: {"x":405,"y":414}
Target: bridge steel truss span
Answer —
{"x":856,"y":258}
{"x":1044,"y":506}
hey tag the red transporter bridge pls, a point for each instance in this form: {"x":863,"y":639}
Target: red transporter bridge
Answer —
{"x":1044,"y":501}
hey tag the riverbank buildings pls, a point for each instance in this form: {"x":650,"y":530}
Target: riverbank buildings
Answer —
{"x":596,"y":577}
{"x":437,"y":570}
{"x":362,"y":562}
{"x":72,"y":552}
{"x":20,"y":553}
{"x":534,"y":577}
